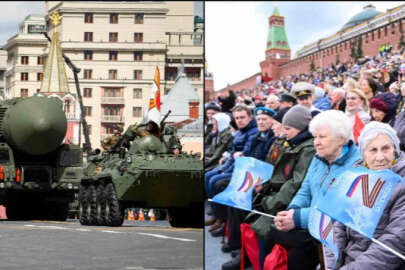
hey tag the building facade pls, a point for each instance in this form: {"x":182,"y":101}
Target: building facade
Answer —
{"x":370,"y":28}
{"x":117,"y":46}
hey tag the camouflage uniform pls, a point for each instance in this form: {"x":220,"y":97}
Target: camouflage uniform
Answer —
{"x":110,"y":141}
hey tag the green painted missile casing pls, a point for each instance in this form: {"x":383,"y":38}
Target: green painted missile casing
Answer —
{"x":35,"y":125}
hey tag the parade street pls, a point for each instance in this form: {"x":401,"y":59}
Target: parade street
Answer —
{"x":69,"y":245}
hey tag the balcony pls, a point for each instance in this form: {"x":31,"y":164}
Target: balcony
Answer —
{"x":72,"y":117}
{"x":112,"y":119}
{"x":113,"y":100}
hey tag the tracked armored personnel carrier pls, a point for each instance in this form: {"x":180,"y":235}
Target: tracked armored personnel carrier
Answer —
{"x":145,"y":176}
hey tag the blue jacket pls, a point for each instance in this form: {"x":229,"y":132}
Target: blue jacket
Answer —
{"x":322,"y":103}
{"x":259,"y":147}
{"x":241,"y":143}
{"x":319,"y":177}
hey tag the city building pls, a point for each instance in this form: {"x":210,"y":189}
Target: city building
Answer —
{"x":369,"y":29}
{"x":117,"y":45}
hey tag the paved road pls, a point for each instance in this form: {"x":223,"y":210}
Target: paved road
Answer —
{"x":68,"y":245}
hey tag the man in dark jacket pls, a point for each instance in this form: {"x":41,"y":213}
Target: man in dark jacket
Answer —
{"x":241,"y":144}
{"x":259,"y":148}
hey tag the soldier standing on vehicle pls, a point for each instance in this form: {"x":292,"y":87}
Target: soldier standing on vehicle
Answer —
{"x":108,"y":142}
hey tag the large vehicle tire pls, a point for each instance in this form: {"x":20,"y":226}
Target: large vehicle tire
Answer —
{"x":92,"y":205}
{"x":83,"y":206}
{"x":114,"y":212}
{"x":101,"y":206}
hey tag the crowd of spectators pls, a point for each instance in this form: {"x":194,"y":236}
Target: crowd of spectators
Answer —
{"x":310,"y":127}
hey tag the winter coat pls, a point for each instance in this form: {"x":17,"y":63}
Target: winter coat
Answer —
{"x":260,"y":145}
{"x":317,"y":180}
{"x":227,"y":103}
{"x":359,"y":252}
{"x":322,"y":103}
{"x":289,"y":171}
{"x":241,"y":143}
{"x":399,"y":126}
{"x":219,"y":145}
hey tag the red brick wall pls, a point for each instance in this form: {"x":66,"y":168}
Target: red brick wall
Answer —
{"x":245,"y":84}
{"x":327,"y":57}
{"x":209,"y":88}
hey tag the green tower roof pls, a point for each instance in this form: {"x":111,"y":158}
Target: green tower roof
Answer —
{"x":275,"y":11}
{"x":277,"y":38}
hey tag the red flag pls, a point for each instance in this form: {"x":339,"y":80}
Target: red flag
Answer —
{"x":357,"y":127}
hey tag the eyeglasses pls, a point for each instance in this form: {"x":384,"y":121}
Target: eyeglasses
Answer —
{"x":352,"y":98}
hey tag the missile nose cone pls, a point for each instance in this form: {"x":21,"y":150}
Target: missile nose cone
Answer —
{"x":41,"y":126}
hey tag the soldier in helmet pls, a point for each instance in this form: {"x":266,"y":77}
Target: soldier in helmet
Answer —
{"x":109,"y":142}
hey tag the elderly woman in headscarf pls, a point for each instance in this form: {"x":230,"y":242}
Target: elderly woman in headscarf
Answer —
{"x":222,"y":140}
{"x":379,"y":147}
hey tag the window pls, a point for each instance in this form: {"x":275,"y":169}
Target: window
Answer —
{"x":138,"y":18}
{"x":24,"y":60}
{"x":113,"y":18}
{"x":193,"y":74}
{"x":40,"y":76}
{"x":138,"y":56}
{"x":378,"y":34}
{"x":137,"y":93}
{"x":372,"y":36}
{"x":87,"y":92}
{"x":40,"y":60}
{"x":138,"y":74}
{"x":138,"y":37}
{"x":385,"y":31}
{"x":87,"y":74}
{"x":113,"y":36}
{"x":112,"y":110}
{"x":136,"y":111}
{"x":24,"y":92}
{"x":88,"y":17}
{"x":113,"y":55}
{"x":88,"y":36}
{"x":24,"y":76}
{"x":87,"y":110}
{"x":88,"y":55}
{"x":393,"y":28}
{"x":112,"y":92}
{"x":112,"y":74}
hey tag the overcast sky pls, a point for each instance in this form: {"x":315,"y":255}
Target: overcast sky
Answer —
{"x":236,"y":32}
{"x":15,"y":12}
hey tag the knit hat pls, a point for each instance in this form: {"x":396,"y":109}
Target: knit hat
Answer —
{"x":297,"y":117}
{"x":372,"y":129}
{"x":222,"y":121}
{"x":280,"y":114}
{"x":386,"y":102}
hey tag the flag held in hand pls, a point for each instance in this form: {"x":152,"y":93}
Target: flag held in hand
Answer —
{"x":358,"y":198}
{"x":248,"y":173}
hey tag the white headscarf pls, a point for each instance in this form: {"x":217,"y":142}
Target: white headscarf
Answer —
{"x":222,"y":120}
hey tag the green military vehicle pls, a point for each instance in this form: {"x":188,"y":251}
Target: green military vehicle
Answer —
{"x":38,"y":173}
{"x":145,"y":176}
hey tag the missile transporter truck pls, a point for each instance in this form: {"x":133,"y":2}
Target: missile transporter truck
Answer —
{"x":148,"y":175}
{"x":38,"y":173}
